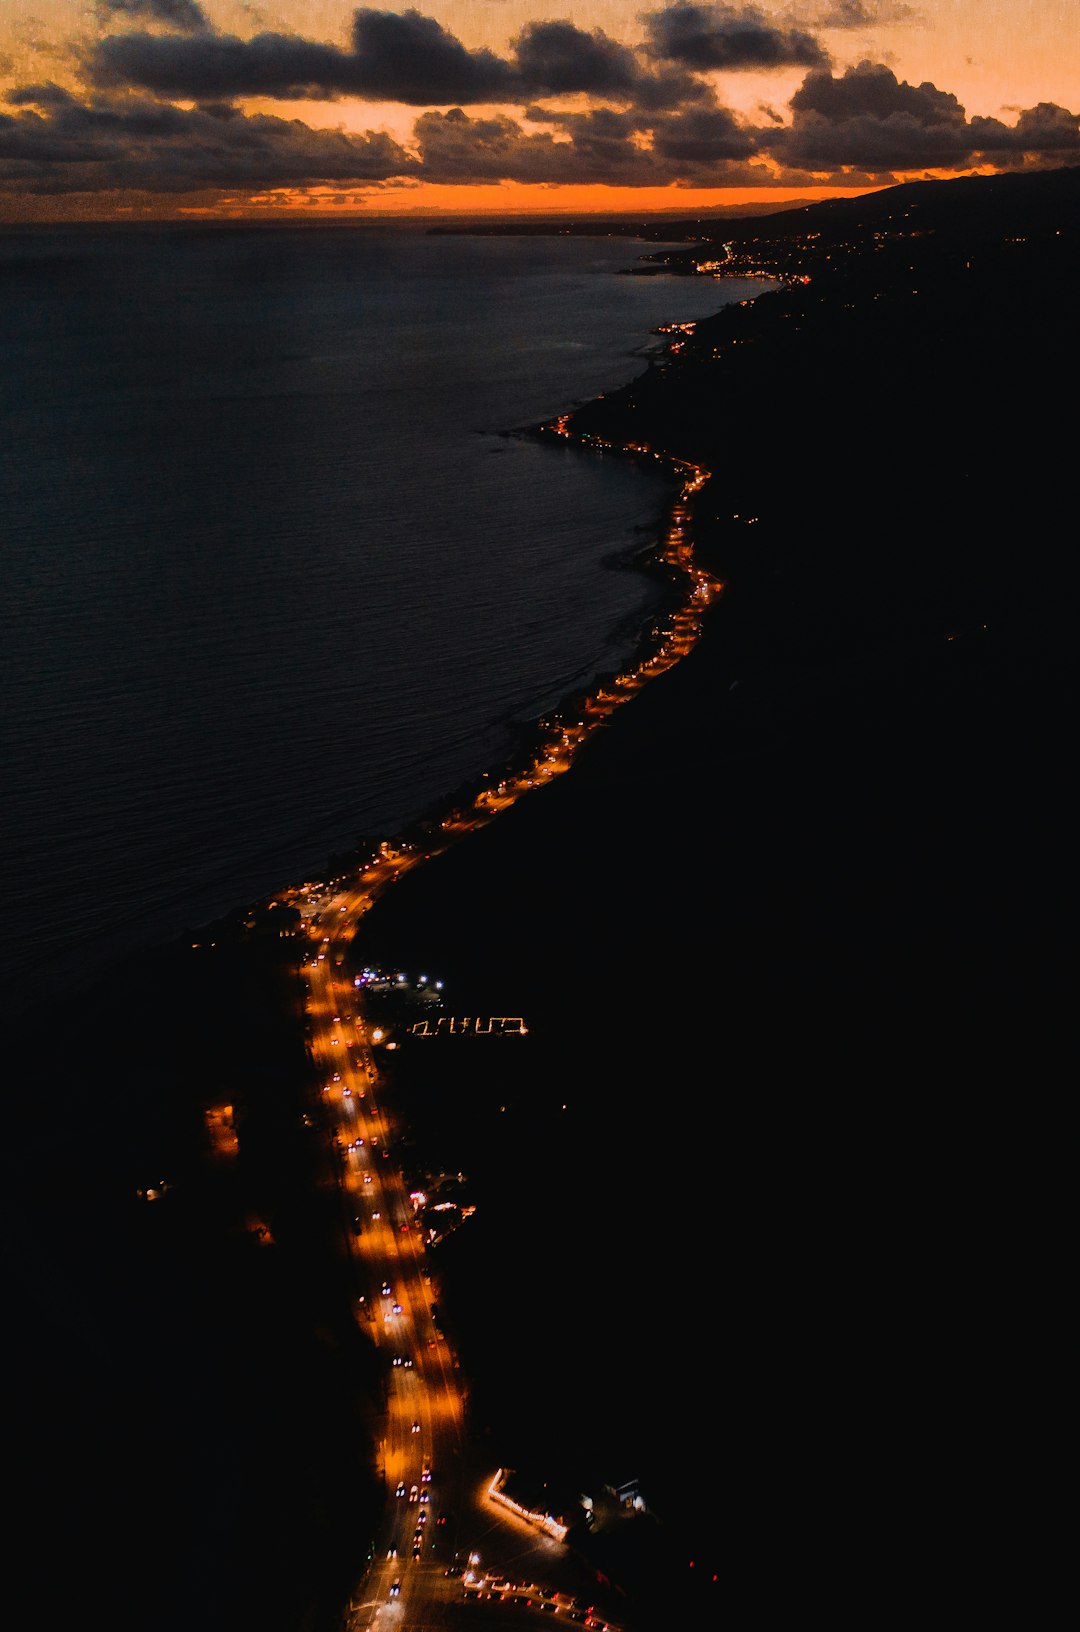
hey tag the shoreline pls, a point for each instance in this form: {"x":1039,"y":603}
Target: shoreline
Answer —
{"x":768,"y":939}
{"x":772,"y":931}
{"x":656,"y":557}
{"x":172,"y":894}
{"x":549,"y":746}
{"x":546,"y":746}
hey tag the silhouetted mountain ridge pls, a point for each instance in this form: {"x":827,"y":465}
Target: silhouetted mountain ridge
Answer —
{"x":964,"y":206}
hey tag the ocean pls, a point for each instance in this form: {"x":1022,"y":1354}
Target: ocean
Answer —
{"x":274,"y":574}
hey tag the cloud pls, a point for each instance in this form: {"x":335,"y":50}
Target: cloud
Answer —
{"x":860,"y":14}
{"x":872,"y":89}
{"x":558,"y":58}
{"x":554,"y":58}
{"x":714,"y":35}
{"x":858,"y":128}
{"x":603,"y":145}
{"x":394,"y":57}
{"x":186,"y":16}
{"x":59,"y":144}
{"x":703,"y":136}
{"x":1045,"y":131}
{"x":455,"y":148}
{"x":869,"y":120}
{"x":417,"y":52}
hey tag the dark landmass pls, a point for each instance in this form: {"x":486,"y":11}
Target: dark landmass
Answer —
{"x":796,"y":937}
{"x":668,"y":225}
{"x":890,"y":667}
{"x":795,"y":945}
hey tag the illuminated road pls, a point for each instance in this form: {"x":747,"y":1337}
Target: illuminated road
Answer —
{"x":437,"y":1507}
{"x":423,"y":1426}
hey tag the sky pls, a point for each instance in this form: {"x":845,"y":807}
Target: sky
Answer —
{"x":163,"y":109}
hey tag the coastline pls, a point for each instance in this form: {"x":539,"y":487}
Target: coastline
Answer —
{"x":735,"y":930}
{"x":777,"y":932}
{"x":188,"y":1199}
{"x":569,"y":347}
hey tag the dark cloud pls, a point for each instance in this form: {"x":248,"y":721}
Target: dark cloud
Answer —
{"x":186,"y":16}
{"x":869,"y":120}
{"x":395,"y":57}
{"x":714,"y":35}
{"x":876,"y":146}
{"x":859,"y":14}
{"x":859,"y":128}
{"x":625,"y":148}
{"x":554,"y":58}
{"x":456,"y":148}
{"x":45,"y":95}
{"x":417,"y":52}
{"x":704,"y":136}
{"x":59,"y":144}
{"x":558,"y":58}
{"x":1044,"y":131}
{"x":871,"y":89}
{"x":222,"y":65}
{"x":697,"y":146}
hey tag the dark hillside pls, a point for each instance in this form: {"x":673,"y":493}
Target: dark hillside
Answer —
{"x":798,"y":932}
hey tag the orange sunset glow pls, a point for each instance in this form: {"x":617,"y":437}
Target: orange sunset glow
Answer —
{"x":172,"y":108}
